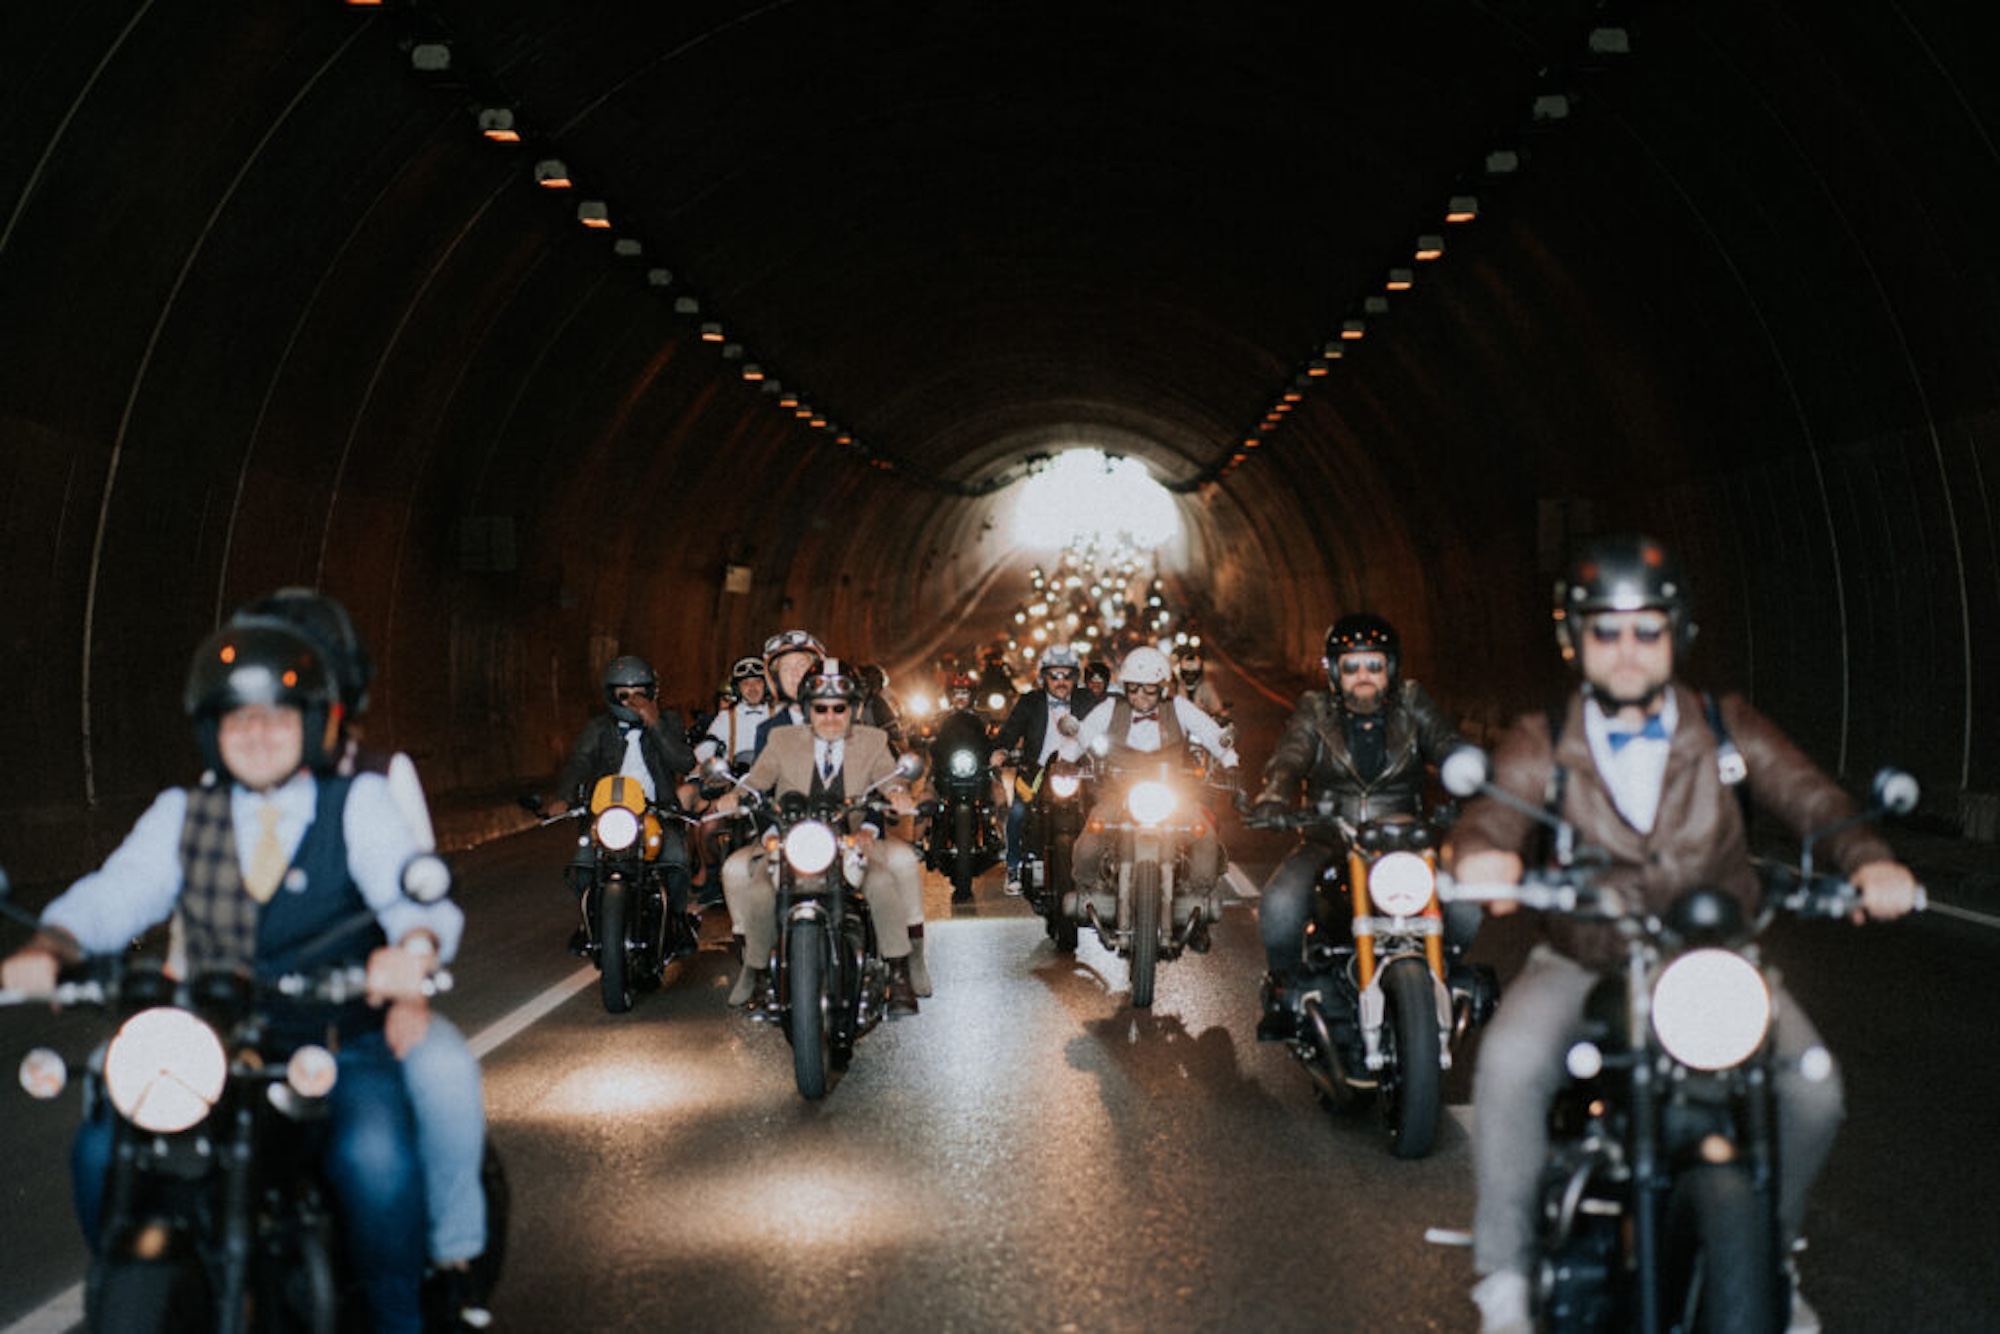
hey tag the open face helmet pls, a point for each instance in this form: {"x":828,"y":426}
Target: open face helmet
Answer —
{"x":833,"y":680}
{"x":1060,"y":657}
{"x":263,"y":662}
{"x":1622,"y":573}
{"x":326,"y":622}
{"x":745,"y":669}
{"x":791,"y":641}
{"x":1360,"y":632}
{"x":1145,"y":666}
{"x":629,"y":672}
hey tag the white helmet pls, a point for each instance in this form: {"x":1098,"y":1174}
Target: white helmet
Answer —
{"x":1145,"y":666}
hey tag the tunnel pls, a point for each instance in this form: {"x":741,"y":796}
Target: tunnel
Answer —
{"x":542,"y":333}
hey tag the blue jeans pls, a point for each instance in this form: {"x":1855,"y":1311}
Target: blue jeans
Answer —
{"x":1017,"y":819}
{"x":370,"y":1161}
{"x":442,"y":1076}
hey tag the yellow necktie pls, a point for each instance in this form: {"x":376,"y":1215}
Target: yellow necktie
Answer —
{"x":267,"y":859}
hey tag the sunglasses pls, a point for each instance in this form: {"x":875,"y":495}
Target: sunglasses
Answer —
{"x":829,"y":708}
{"x":636,"y":692}
{"x":1147,"y":689}
{"x":1356,"y":666}
{"x":1606,"y":631}
{"x":1060,"y":674}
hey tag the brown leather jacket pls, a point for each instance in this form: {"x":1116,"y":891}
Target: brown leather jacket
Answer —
{"x":1698,"y":836}
{"x":1313,"y":749}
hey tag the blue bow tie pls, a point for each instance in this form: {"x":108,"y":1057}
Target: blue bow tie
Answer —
{"x":1654,"y":730}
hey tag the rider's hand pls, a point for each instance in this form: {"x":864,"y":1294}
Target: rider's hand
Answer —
{"x":1493,"y":866}
{"x":1888,"y":890}
{"x":647,"y":709}
{"x":1068,"y":725}
{"x":997,"y":759}
{"x":31,"y":969}
{"x":1267,"y":812}
{"x":405,"y":1024}
{"x":395,"y":974}
{"x":554,"y":808}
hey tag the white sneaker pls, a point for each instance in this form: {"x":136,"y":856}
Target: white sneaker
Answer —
{"x":1502,"y":1299}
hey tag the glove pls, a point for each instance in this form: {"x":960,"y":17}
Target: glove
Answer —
{"x":1269,"y":814}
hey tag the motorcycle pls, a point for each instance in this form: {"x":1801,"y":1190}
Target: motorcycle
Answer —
{"x":831,"y":983}
{"x":964,"y":837}
{"x":630,"y":928}
{"x":1061,"y":801}
{"x":1139,"y":908}
{"x":1659,"y":1195}
{"x":1384,"y":999}
{"x":215,"y":1215}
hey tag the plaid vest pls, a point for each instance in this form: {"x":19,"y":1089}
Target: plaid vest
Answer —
{"x":220,"y":917}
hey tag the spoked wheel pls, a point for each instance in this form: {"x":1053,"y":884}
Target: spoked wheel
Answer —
{"x":1059,"y":878}
{"x":613,"y":904}
{"x":1410,"y":1104}
{"x":1722,"y":1271}
{"x":812,"y":1042}
{"x":1145,"y":931}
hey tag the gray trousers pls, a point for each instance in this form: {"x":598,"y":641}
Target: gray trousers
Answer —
{"x":893,"y":886}
{"x":1521,"y":1067}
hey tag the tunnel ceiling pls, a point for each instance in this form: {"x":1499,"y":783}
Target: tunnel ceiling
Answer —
{"x":276,"y":313}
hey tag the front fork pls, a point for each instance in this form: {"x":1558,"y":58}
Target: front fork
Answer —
{"x":1369,"y":964}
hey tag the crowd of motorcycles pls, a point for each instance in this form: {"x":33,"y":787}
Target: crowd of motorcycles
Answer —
{"x":1658,"y":1198}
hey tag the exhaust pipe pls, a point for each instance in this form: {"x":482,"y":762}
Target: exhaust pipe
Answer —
{"x":1337,"y":1083}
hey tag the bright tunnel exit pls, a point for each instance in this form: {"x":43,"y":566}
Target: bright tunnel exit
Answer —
{"x":1085,"y":497}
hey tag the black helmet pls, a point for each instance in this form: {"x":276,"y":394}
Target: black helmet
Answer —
{"x":626,"y":673}
{"x":1188,"y":664}
{"x":1096,"y":674}
{"x":262,"y":662}
{"x":327,"y":624}
{"x":1360,"y":632}
{"x":832,"y":681}
{"x":1622,"y":573}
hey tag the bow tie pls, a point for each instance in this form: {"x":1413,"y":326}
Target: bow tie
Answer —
{"x":1152,"y":717}
{"x":1654,"y":730}
{"x":1058,"y":705}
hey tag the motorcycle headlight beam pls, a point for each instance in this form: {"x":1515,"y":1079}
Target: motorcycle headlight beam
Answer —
{"x":964,"y":764}
{"x":165,"y":1070}
{"x":1711,"y":1009}
{"x":1400,"y":884}
{"x":810,"y":847}
{"x":1150,"y":803}
{"x":1064,"y":786}
{"x":617,"y":828}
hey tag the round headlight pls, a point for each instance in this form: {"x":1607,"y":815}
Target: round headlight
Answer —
{"x":996,"y":701}
{"x":1150,"y":803}
{"x":312,"y":1071}
{"x":964,"y":764}
{"x":1711,"y":1009}
{"x":1065,"y":785}
{"x":810,"y":847}
{"x":164,"y":1070}
{"x":617,"y":828}
{"x":1400,"y":884}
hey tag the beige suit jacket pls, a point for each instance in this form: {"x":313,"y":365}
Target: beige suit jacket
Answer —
{"x":786,"y":764}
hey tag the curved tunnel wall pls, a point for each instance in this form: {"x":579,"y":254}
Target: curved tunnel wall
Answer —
{"x":273,"y":319}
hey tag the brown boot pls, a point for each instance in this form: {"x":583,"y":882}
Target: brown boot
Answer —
{"x":902,"y":996}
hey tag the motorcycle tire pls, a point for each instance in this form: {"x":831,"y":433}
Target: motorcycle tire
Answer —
{"x":613,"y":961}
{"x":1410,"y":1109}
{"x":1061,"y":878}
{"x":165,"y":1295}
{"x":806,"y":1019}
{"x":961,"y":851}
{"x":1145,"y":931}
{"x":1721,"y":1271}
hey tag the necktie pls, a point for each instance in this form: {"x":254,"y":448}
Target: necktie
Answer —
{"x":1654,"y":730}
{"x":267,"y":858}
{"x":825,"y":762}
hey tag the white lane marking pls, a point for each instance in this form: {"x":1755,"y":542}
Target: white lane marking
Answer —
{"x":64,"y":1312}
{"x":1241,"y":884}
{"x":1963,"y":914}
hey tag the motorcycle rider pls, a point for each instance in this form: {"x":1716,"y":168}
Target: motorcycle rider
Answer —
{"x":964,"y":727}
{"x":1644,"y":767}
{"x":637,"y":738}
{"x":879,"y":707}
{"x":439,"y":1068}
{"x":1364,"y":743}
{"x":1037,"y":724}
{"x":1190,"y":676}
{"x":1097,"y":677}
{"x":733,"y":733}
{"x":264,"y":705}
{"x":1145,"y":720}
{"x":790,"y":657}
{"x":837,"y":757}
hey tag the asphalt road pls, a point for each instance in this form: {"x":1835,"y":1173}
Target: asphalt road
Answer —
{"x":1032,"y":1153}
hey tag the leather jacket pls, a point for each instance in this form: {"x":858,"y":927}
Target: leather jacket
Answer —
{"x":1313,"y":750}
{"x":1698,"y":836}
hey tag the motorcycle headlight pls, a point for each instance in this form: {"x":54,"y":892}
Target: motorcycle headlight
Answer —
{"x":1064,"y":786}
{"x":964,"y":764}
{"x":1711,"y":1009}
{"x":1400,"y":884}
{"x":996,"y":701}
{"x":1150,"y":803}
{"x":617,"y":828}
{"x":810,"y":847}
{"x":164,"y":1069}
{"x":312,"y":1072}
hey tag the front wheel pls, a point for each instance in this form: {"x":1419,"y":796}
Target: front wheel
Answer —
{"x":1059,"y":878}
{"x":1722,"y":1274}
{"x":1410,"y":1021}
{"x":812,"y":1043}
{"x":613,"y":903}
{"x":1145,"y":930}
{"x":150,"y":1295}
{"x":961,"y":850}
